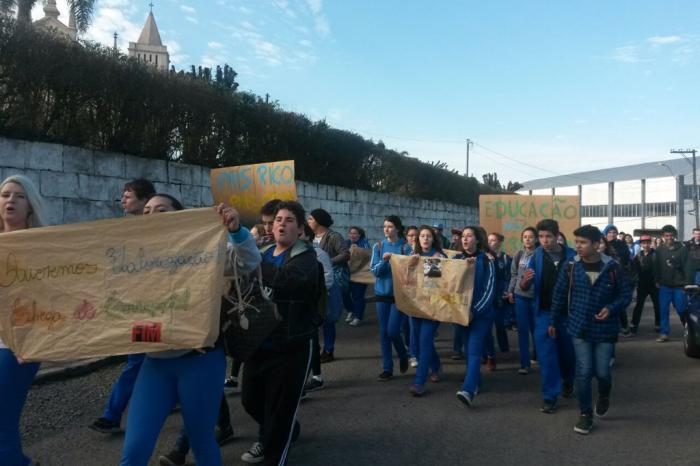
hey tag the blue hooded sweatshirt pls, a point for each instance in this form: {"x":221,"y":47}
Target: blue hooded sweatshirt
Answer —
{"x":384,"y":286}
{"x":484,"y":285}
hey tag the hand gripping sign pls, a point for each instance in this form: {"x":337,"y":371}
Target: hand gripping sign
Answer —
{"x":109,"y":287}
{"x":433,"y":288}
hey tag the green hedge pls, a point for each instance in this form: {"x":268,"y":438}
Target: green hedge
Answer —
{"x":90,"y":96}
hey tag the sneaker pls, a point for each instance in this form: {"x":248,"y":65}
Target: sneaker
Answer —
{"x":355,"y":322}
{"x":584,"y":424}
{"x":350,"y":317}
{"x":549,"y":406}
{"x":313,"y":385}
{"x":567,"y":389}
{"x":417,"y":390}
{"x":457,"y":356}
{"x":327,"y":356}
{"x":601,"y":406}
{"x":403,"y":365}
{"x":231,"y":385}
{"x":663,"y":338}
{"x":626,"y":332}
{"x":105,"y":426}
{"x":256,"y":454}
{"x":491,"y":364}
{"x":523,"y":371}
{"x":413,"y":362}
{"x":385,"y":376}
{"x":465,"y":398}
{"x":174,"y":458}
{"x":435,"y":377}
{"x":223,"y":436}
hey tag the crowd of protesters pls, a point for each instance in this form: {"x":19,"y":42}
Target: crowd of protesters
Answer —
{"x":568,"y":307}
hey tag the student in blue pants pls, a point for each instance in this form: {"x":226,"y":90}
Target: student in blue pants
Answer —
{"x":428,"y":245}
{"x":555,"y":354}
{"x":524,"y":308}
{"x":21,"y":207}
{"x":474,"y":245}
{"x":390,"y":318}
{"x":501,"y":304}
{"x":354,"y":299}
{"x":194,"y":377}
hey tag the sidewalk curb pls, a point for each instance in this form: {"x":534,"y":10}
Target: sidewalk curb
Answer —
{"x":75,"y":369}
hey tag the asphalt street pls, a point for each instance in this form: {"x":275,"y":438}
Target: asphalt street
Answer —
{"x":355,"y":420}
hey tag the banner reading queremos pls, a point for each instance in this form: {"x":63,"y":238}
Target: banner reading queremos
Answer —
{"x":433,"y":288}
{"x":128,"y":285}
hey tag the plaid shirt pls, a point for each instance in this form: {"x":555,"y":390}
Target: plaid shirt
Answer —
{"x":611,"y":290}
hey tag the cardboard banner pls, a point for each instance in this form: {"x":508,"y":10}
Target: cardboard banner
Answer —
{"x":249,"y":187}
{"x":510,"y":214}
{"x":360,"y":259}
{"x":433,"y":288}
{"x":450,"y":253}
{"x":120,"y":286}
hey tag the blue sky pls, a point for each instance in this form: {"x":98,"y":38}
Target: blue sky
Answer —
{"x":542,"y":87}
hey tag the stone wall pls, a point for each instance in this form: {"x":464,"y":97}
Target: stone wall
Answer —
{"x":81,"y":184}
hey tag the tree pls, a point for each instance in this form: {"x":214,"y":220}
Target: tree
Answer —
{"x":81,"y":9}
{"x":491,"y":179}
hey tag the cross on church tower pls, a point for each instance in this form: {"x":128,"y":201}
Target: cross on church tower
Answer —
{"x":151,"y":5}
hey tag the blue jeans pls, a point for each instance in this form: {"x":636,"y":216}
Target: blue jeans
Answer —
{"x":354,"y":299}
{"x":668,"y":295}
{"x":121,"y":391}
{"x":197,"y":382}
{"x":525,"y":318}
{"x":223,"y":422}
{"x":457,"y":338}
{"x":473,"y":337}
{"x":592,"y":359}
{"x":555,"y":356}
{"x":413,"y":338}
{"x":15,"y":380}
{"x":428,"y":357}
{"x":335,"y":307}
{"x":390,"y":321}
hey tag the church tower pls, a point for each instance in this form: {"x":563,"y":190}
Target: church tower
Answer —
{"x":51,"y":23}
{"x":149,"y":48}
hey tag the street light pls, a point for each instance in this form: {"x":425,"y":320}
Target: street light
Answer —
{"x":662,"y":164}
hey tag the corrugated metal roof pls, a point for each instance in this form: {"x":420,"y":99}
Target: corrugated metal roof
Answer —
{"x":640,"y":171}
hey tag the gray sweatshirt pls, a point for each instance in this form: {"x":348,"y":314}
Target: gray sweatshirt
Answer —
{"x":517,"y":269}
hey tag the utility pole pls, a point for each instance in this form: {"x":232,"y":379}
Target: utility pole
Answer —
{"x":469,"y":143}
{"x":683,"y":152}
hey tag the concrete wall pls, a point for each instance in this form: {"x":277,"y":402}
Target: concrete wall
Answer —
{"x":81,"y":184}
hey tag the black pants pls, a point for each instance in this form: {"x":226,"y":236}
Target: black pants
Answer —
{"x":315,"y":355}
{"x":182,"y":444}
{"x":272,"y":386}
{"x":642,"y":292}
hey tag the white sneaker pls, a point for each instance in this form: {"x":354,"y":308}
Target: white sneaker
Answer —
{"x":413,"y":362}
{"x":523,"y":371}
{"x":465,"y":398}
{"x":355,"y":322}
{"x":256,"y":454}
{"x":350,"y":317}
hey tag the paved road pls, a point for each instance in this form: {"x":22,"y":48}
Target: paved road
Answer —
{"x":654,"y":416}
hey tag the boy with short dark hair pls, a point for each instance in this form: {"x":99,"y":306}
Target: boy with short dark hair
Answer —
{"x":554,"y":351}
{"x":592,"y":289}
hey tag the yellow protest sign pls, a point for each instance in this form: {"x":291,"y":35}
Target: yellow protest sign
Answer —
{"x":109,"y":287}
{"x":433,"y":288}
{"x":510,"y":214}
{"x":249,"y":187}
{"x":360,"y":259}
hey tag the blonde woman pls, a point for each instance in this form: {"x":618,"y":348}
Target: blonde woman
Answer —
{"x":21,"y":207}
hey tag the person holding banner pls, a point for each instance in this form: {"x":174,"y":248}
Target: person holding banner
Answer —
{"x":332,"y":242}
{"x":194,"y":377}
{"x":524,"y":310}
{"x":482,"y":313}
{"x":429,"y":245}
{"x":354,"y":299}
{"x":390,"y":318}
{"x":21,"y":207}
{"x":555,"y":353}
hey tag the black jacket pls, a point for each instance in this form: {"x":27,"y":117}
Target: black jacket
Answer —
{"x":643,"y":265}
{"x":295,"y":290}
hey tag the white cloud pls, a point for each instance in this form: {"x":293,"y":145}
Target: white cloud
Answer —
{"x":188,"y":9}
{"x":177,"y":58}
{"x":683,"y":55}
{"x":664,"y":40}
{"x":320,"y":22}
{"x":626,"y":54}
{"x":192,"y":19}
{"x":215,"y":45}
{"x":305,"y":42}
{"x":244,"y":10}
{"x":115,"y":16}
{"x":267,"y":51}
